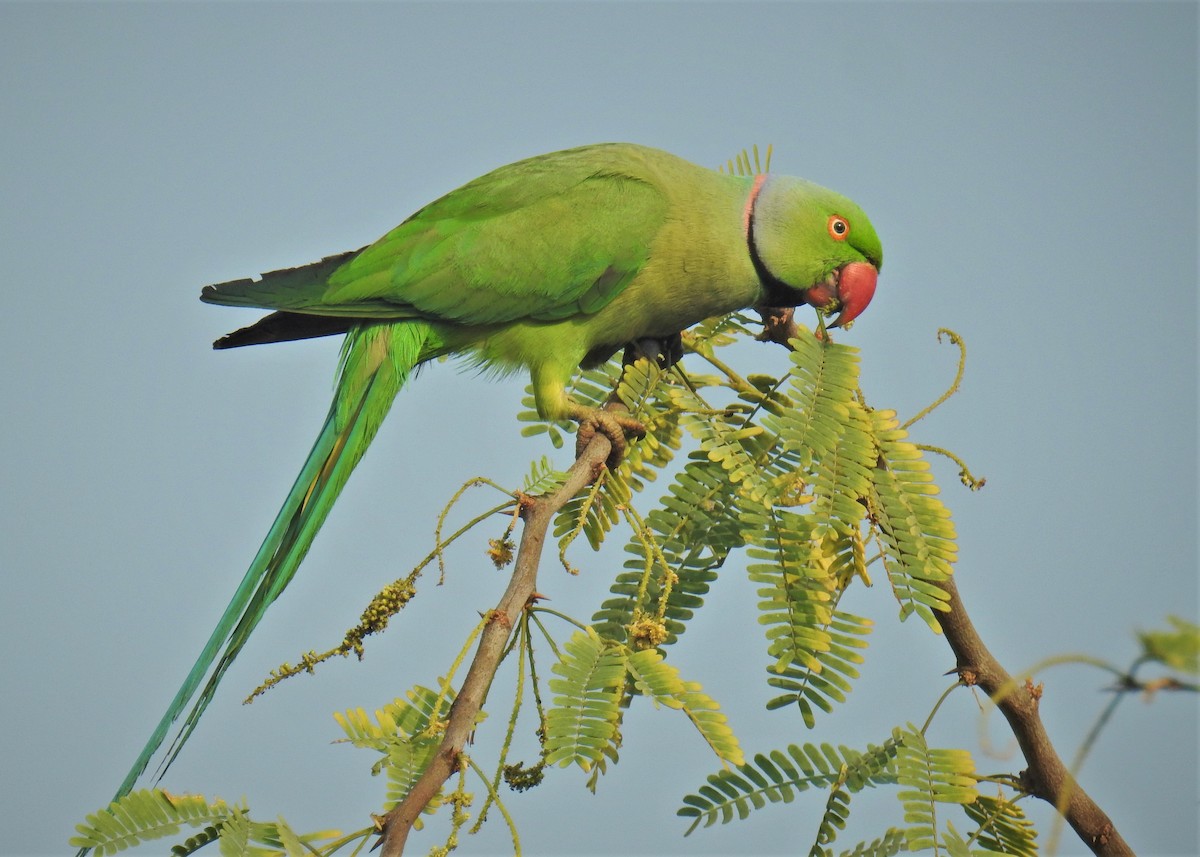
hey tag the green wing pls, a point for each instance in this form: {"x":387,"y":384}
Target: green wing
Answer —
{"x":542,"y":239}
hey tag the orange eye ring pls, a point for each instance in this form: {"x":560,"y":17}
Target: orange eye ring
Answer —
{"x":839,"y":227}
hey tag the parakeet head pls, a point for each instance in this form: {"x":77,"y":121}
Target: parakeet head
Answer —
{"x":811,"y":246}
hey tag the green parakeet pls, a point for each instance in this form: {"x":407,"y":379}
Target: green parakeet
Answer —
{"x":547,"y":264}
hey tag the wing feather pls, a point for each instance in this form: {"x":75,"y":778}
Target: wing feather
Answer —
{"x":544,"y":239}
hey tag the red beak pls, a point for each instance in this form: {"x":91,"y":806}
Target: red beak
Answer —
{"x":852,"y":287}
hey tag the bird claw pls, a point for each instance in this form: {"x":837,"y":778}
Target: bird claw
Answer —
{"x":665,"y":351}
{"x":779,"y":324}
{"x":618,"y":429}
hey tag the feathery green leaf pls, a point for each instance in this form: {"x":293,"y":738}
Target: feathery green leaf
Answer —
{"x":928,"y":777}
{"x":661,"y":681}
{"x":1002,"y":826}
{"x":581,"y":727}
{"x":917,"y":533}
{"x":777,"y":777}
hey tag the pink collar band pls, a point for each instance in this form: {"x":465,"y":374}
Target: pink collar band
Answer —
{"x":748,"y":211}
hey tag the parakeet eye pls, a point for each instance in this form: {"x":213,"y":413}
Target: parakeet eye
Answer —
{"x":839,"y":227}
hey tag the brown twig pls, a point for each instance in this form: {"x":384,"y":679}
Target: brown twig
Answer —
{"x":538,"y":513}
{"x":1046,"y":776}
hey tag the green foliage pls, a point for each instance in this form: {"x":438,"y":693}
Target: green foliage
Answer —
{"x":146,"y":815}
{"x":842,"y":478}
{"x":727,"y":441}
{"x":582,"y":727}
{"x":914,"y":526}
{"x":892,"y":842}
{"x":778,"y":776}
{"x":542,"y":478}
{"x":407,"y":733}
{"x":662,"y":683}
{"x":1178,"y":648}
{"x":594,"y":512}
{"x":928,"y":777}
{"x":151,"y":814}
{"x":1001,"y":826}
{"x":643,"y":389}
{"x":827,"y":679}
{"x":821,"y":387}
{"x":852,"y":777}
{"x":756,"y":460}
{"x":814,"y":646}
{"x":675,"y":554}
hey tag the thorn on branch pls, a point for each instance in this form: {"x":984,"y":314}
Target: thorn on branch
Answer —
{"x":966,"y":675}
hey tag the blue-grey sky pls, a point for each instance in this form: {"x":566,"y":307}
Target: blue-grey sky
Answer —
{"x":1031,"y":169}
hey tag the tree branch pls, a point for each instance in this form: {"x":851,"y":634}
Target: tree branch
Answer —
{"x":537,"y":513}
{"x":1047,"y":776}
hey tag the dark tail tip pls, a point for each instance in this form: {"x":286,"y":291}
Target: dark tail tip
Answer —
{"x":284,"y":327}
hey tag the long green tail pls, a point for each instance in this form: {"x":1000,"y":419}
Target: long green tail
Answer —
{"x":376,"y":361}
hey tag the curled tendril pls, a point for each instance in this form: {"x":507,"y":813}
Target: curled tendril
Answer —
{"x":962,"y":364}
